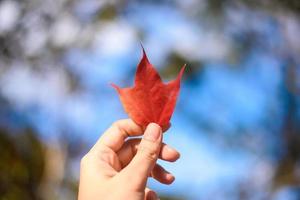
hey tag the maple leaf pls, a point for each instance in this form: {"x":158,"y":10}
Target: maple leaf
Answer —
{"x":150,"y":100}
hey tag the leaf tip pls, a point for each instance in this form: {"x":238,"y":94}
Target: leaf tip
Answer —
{"x":181,"y":71}
{"x":144,"y":57}
{"x":115,"y":86}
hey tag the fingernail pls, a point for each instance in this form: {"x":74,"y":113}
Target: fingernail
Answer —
{"x":173,"y":151}
{"x":152,"y":132}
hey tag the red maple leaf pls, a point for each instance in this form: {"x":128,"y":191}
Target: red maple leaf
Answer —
{"x":150,"y":100}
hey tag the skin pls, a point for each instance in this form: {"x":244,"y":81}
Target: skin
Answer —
{"x":118,"y":167}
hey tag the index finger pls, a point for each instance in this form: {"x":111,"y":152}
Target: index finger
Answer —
{"x":114,"y":137}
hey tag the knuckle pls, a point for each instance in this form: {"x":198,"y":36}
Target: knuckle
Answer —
{"x":106,"y":156}
{"x":117,"y":125}
{"x":148,"y":153}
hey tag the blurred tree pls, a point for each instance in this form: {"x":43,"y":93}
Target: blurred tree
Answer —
{"x":22,"y":164}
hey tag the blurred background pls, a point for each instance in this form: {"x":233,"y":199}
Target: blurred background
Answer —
{"x":237,"y":121}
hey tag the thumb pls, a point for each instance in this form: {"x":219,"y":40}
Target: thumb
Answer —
{"x":142,"y":164}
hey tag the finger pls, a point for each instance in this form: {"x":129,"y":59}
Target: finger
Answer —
{"x":162,"y":175}
{"x":114,"y":137}
{"x":129,"y":149}
{"x":143,"y":162}
{"x":168,"y":153}
{"x":150,"y":194}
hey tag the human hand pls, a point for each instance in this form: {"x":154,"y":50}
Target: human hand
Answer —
{"x":118,"y":169}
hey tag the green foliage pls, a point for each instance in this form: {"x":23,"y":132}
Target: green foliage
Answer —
{"x":22,"y":164}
